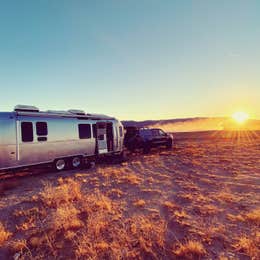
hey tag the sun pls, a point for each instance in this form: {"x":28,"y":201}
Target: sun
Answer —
{"x":240,"y":117}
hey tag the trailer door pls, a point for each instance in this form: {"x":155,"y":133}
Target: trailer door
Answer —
{"x":7,"y":143}
{"x":102,"y":137}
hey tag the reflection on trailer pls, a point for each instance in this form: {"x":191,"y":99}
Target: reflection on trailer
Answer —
{"x":65,"y":138}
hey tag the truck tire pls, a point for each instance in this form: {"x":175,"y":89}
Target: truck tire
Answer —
{"x":169,"y":144}
{"x":146,"y":148}
{"x":131,"y":146}
{"x":120,"y":158}
{"x":60,"y":164}
{"x":131,"y":149}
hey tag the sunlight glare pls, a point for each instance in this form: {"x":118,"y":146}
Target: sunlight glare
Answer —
{"x":240,"y":117}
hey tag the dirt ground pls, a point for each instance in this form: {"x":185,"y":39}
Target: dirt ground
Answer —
{"x":199,"y":200}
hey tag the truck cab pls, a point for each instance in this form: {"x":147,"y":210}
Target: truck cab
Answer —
{"x":146,"y":138}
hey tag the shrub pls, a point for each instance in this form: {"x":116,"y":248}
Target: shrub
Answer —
{"x":4,"y":234}
{"x":190,"y":250}
{"x":67,"y":191}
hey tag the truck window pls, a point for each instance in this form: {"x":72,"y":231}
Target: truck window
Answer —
{"x":41,"y":128}
{"x":146,"y":132}
{"x":162,"y":133}
{"x":120,"y":131}
{"x":27,"y":131}
{"x":155,"y":132}
{"x":84,"y":131}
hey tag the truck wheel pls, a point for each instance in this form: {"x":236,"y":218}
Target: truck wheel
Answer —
{"x":131,"y":147}
{"x":169,"y":144}
{"x":60,"y":164}
{"x":76,"y":162}
{"x":119,"y":158}
{"x":146,"y":148}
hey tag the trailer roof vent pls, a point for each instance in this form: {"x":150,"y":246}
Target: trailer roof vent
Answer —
{"x":26,"y":108}
{"x":77,"y":112}
{"x":99,"y":115}
{"x":58,"y":112}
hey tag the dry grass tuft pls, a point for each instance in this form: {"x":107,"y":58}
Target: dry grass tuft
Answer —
{"x":18,"y":245}
{"x":139,"y":203}
{"x":28,"y":224}
{"x":191,"y":249}
{"x":115,"y":193}
{"x":209,"y":209}
{"x":253,"y":216}
{"x":37,"y":241}
{"x":4,"y":234}
{"x":68,"y":191}
{"x":151,"y":191}
{"x":249,"y":246}
{"x":64,"y":217}
{"x":131,"y":179}
{"x":114,"y":172}
{"x":232,"y":217}
{"x":170,"y":205}
{"x":96,"y":202}
{"x":211,"y":231}
{"x":180,"y":214}
{"x":186,"y":196}
{"x":108,"y":232}
{"x":86,"y":223}
{"x":148,"y":234}
{"x":224,"y":196}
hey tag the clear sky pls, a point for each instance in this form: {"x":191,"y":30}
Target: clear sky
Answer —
{"x":134,"y":59}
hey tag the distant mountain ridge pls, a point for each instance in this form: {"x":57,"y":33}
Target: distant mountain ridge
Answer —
{"x":196,"y":124}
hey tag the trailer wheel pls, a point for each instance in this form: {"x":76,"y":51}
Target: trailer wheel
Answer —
{"x":87,"y":163}
{"x":60,"y":164}
{"x":76,"y":162}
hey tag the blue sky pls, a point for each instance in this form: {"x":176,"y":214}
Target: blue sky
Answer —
{"x":133,"y":59}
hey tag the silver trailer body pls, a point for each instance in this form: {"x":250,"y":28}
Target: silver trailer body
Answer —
{"x":30,"y":137}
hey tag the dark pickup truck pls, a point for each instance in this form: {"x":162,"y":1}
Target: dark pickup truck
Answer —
{"x":146,"y":138}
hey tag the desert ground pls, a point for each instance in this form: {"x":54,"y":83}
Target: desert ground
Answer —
{"x":199,"y":200}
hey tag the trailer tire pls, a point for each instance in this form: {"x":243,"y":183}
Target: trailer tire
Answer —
{"x":76,"y":162}
{"x":60,"y":164}
{"x":87,"y":163}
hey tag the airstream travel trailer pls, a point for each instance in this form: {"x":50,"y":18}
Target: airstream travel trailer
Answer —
{"x":29,"y":136}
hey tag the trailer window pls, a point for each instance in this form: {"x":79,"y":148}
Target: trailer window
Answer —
{"x":41,"y":128}
{"x":84,"y":131}
{"x":102,"y":125}
{"x":27,"y":131}
{"x":101,"y":137}
{"x":42,"y":139}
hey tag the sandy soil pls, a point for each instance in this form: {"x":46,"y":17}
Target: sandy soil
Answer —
{"x":199,"y":200}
